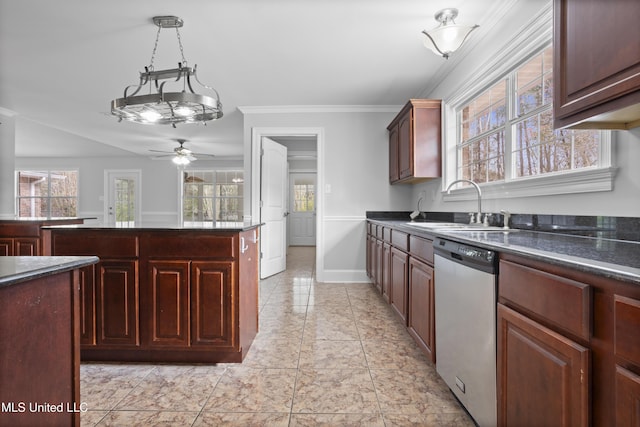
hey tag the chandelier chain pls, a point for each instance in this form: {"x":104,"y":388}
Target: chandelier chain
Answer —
{"x":155,"y":47}
{"x":184,"y":61}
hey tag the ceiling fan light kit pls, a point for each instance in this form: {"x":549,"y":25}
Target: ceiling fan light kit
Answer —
{"x":160,"y":105}
{"x":181,"y":155}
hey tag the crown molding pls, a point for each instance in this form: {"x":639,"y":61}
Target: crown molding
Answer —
{"x":288,"y":109}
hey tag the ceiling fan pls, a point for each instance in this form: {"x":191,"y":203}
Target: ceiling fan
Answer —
{"x":181,"y":155}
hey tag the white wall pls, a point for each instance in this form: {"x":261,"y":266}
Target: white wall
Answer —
{"x":160,"y":180}
{"x":356,"y":169}
{"x":7,"y":158}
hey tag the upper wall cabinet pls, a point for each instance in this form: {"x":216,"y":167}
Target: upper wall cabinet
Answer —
{"x":415,"y":142}
{"x":596,"y":64}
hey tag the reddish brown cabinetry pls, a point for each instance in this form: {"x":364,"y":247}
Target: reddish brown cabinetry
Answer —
{"x":401,"y":266}
{"x":540,"y":369}
{"x":596,"y":64}
{"x":568,"y":346}
{"x":23,"y":237}
{"x":39,"y":343}
{"x":414,"y":142}
{"x":421,"y":300}
{"x":165,"y":295}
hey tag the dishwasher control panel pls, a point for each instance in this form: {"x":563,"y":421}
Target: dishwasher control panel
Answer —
{"x":481,"y":258}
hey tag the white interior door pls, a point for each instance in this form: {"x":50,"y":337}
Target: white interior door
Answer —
{"x":302,"y":208}
{"x":122,"y":197}
{"x":273,"y":212}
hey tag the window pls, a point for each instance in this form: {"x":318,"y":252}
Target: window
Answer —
{"x":303,"y":195}
{"x":210,"y":196}
{"x":506,"y":132}
{"x":47,"y":194}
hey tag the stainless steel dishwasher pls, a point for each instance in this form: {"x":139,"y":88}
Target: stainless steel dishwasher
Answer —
{"x":465,"y":305}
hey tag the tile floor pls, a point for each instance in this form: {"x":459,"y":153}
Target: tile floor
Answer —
{"x":326,"y":354}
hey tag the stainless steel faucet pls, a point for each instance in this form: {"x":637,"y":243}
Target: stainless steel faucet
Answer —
{"x":479,"y":216}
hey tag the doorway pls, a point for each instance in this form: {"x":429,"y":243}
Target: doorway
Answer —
{"x":302,"y":209}
{"x":122,"y":197}
{"x":288,"y":136}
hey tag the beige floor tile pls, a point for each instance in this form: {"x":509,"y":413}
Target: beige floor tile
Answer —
{"x":148,"y":418}
{"x":457,"y":419}
{"x":245,"y":389}
{"x":404,"y":354}
{"x":330,"y":327}
{"x":235,"y":419}
{"x":91,"y":418}
{"x":177,"y":388}
{"x":103,"y":385}
{"x":328,"y":354}
{"x":335,"y":391}
{"x":413,"y":392}
{"x":273,"y":353}
{"x":334,"y":420}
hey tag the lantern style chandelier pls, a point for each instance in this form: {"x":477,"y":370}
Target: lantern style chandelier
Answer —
{"x":157,"y":104}
{"x":448,"y":36}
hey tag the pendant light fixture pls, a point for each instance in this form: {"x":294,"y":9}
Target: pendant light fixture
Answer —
{"x":448,"y":36}
{"x":160,"y":105}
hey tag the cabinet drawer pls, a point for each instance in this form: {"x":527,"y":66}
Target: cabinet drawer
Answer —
{"x":626,"y":313}
{"x":386,"y":234}
{"x":188,"y":245}
{"x":557,"y":300}
{"x":421,"y":248}
{"x":103,"y":245}
{"x":400,"y":240}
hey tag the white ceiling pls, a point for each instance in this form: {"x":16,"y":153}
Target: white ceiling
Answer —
{"x":62,"y":62}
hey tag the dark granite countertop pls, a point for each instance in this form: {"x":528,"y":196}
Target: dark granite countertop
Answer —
{"x":616,"y":259}
{"x":206,"y":226}
{"x":17,"y":269}
{"x":45,"y":219}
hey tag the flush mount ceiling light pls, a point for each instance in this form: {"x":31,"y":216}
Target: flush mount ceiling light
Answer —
{"x":448,"y":36}
{"x":159,"y":105}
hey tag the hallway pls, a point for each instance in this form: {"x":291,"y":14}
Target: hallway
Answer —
{"x":326,"y":354}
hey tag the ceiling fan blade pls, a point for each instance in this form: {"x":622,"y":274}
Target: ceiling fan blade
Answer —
{"x":161,"y":151}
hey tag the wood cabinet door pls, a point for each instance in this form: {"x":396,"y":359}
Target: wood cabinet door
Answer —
{"x":421,"y":315}
{"x":394,"y":173}
{"x":398,"y":286}
{"x":595,"y":68}
{"x":87,"y":306}
{"x":117,"y":303}
{"x":385,"y":281}
{"x":6,"y":247}
{"x":26,"y":246}
{"x":405,"y":145}
{"x":627,"y":398}
{"x":377,"y":272}
{"x":543,"y":377}
{"x":213,"y":303}
{"x":167,"y":297}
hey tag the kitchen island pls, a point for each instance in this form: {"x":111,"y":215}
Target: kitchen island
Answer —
{"x":39,"y":340}
{"x":21,"y":236}
{"x":165,"y":293}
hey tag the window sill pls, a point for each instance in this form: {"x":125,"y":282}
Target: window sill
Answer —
{"x":584,"y":181}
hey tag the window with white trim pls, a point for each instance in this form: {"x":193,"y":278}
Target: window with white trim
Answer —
{"x":47,"y":193}
{"x":505,"y":133}
{"x":212,"y":196}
